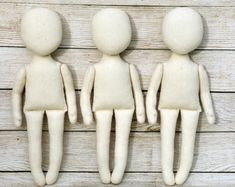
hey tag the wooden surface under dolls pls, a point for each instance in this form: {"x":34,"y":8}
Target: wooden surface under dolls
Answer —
{"x":214,"y":157}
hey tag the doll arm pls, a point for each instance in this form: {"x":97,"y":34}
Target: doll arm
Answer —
{"x":85,"y":101}
{"x":139,"y":100}
{"x":205,"y":95}
{"x":151,"y":99}
{"x":18,"y":89}
{"x":70,"y":93}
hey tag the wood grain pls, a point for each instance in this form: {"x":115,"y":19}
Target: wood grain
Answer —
{"x":22,"y":179}
{"x":214,"y":156}
{"x":206,"y":3}
{"x":219,"y":25}
{"x":214,"y":152}
{"x":224,"y":107}
{"x":220,"y":70}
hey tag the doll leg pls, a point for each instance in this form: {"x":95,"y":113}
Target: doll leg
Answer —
{"x":56,"y":130}
{"x":34,"y":127}
{"x":123,"y":125}
{"x":189,"y":127}
{"x":103,"y":128}
{"x":168,"y":124}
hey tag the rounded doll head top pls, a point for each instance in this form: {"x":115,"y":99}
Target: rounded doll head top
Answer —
{"x":111,"y":31}
{"x":41,"y":31}
{"x":182,"y":30}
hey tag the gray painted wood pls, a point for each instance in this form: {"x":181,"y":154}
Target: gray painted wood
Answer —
{"x":214,"y":156}
{"x":224,"y":107}
{"x":23,"y":179}
{"x":207,"y":3}
{"x":219,"y":25}
{"x":214,"y":152}
{"x":220,"y":70}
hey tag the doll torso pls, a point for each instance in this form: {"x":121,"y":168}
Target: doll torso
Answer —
{"x":44,"y":88}
{"x":112,"y":86}
{"x":180,"y":86}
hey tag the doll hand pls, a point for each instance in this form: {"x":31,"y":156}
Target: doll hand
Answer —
{"x":73,"y":117}
{"x":72,"y":113}
{"x":152,"y":116}
{"x":88,"y":119}
{"x":18,"y":120}
{"x":211,"y":119}
{"x":140,"y":114}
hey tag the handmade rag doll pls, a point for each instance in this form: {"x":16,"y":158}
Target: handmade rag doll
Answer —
{"x":182,"y":82}
{"x":48,"y":89}
{"x":117,"y":91}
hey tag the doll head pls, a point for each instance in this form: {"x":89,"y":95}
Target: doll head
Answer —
{"x":111,"y":31}
{"x":41,"y":31}
{"x":182,"y":30}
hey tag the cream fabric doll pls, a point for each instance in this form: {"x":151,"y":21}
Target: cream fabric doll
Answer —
{"x":112,"y":80}
{"x":44,"y":81}
{"x":182,"y":81}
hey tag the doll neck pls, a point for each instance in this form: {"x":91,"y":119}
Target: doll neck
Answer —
{"x":37,"y":58}
{"x":179,"y":58}
{"x":111,"y":58}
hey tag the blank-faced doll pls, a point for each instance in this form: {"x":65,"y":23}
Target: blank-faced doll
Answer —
{"x":117,"y":91}
{"x":48,"y":89}
{"x":182,"y":83}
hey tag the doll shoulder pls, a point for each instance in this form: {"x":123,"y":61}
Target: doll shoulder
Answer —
{"x":159,"y":68}
{"x":132,"y":67}
{"x":21,"y":73}
{"x":91,"y":70}
{"x":201,"y":68}
{"x":63,"y":67}
{"x":202,"y":72}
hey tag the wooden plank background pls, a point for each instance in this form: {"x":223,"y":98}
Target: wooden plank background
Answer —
{"x":214,"y":157}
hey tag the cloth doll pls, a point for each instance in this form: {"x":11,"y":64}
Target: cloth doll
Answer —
{"x":182,"y":83}
{"x":48,"y":89}
{"x":117,"y":91}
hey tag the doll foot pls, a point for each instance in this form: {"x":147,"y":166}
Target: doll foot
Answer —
{"x":116,"y":177}
{"x":105,"y":177}
{"x":39,"y":178}
{"x":181,"y":177}
{"x":51,"y":177}
{"x":169,"y":178}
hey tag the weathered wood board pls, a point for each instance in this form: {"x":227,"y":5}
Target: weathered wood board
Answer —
{"x":206,"y":3}
{"x":219,"y":25}
{"x":220,"y":70}
{"x":214,"y":152}
{"x":224,"y":107}
{"x":214,"y":157}
{"x":23,"y":179}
